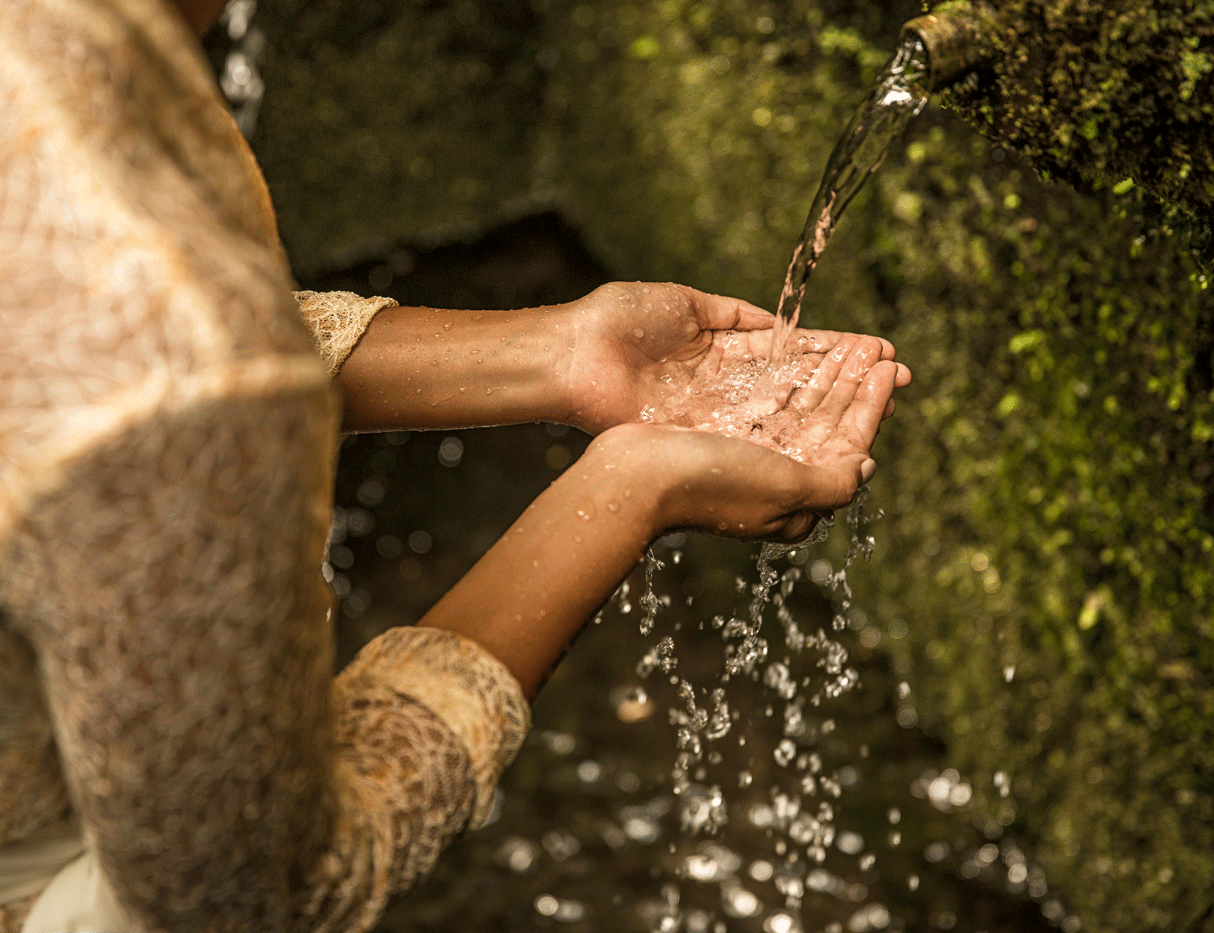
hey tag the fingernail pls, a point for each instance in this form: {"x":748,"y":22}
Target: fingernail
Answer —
{"x":867,"y":469}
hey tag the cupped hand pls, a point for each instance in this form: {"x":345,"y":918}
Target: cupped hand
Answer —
{"x":726,"y":486}
{"x":775,"y":480}
{"x":637,"y":350}
{"x":836,"y":408}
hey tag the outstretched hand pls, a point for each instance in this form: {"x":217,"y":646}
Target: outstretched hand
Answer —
{"x":639,"y":350}
{"x":710,"y":413}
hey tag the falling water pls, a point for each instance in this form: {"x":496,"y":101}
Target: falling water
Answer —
{"x":240,"y":78}
{"x":900,"y":92}
{"x":799,"y":819}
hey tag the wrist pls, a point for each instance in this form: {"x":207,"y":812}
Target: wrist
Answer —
{"x":635,"y":472}
{"x":562,"y":328}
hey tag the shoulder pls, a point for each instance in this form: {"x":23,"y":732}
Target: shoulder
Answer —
{"x":137,"y":270}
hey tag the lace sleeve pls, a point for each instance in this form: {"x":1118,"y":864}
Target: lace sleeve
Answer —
{"x":336,"y":321}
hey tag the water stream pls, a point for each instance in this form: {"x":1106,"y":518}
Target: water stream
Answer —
{"x":794,"y":677}
{"x":899,"y":93}
{"x":798,"y":820}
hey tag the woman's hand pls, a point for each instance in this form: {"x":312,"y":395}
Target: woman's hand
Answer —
{"x":701,"y":481}
{"x":535,"y":587}
{"x":637,"y":350}
{"x":752,"y":487}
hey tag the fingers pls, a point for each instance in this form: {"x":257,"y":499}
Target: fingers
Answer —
{"x":809,"y":397}
{"x":902,"y":378}
{"x":716,"y":312}
{"x":836,"y":484}
{"x":734,"y":487}
{"x":864,"y":415}
{"x":823,"y":341}
{"x":816,"y":341}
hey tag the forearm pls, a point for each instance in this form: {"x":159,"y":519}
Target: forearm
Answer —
{"x":531,"y":593}
{"x":426,"y":368}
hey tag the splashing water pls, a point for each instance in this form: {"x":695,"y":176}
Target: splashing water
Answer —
{"x":798,"y":817}
{"x":900,"y":92}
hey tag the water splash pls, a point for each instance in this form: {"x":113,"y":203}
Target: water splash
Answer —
{"x":241,"y":79}
{"x":900,"y":92}
{"x":798,"y":815}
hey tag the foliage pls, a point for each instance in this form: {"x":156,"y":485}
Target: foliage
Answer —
{"x":1106,"y":94}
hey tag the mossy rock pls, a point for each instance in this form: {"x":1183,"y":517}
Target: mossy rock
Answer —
{"x":1104,"y":95}
{"x":1052,"y":541}
{"x":1047,"y":482}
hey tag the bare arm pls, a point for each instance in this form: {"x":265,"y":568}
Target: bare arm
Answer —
{"x":427,"y":368}
{"x":602,"y":360}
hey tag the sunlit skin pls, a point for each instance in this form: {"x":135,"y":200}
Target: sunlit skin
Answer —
{"x":593,"y":363}
{"x":599,"y":363}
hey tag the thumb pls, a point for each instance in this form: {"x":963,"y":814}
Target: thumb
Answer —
{"x":716,"y":312}
{"x":834,"y":484}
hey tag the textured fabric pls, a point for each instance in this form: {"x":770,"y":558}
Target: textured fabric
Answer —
{"x":337,"y":320}
{"x":166,"y":430}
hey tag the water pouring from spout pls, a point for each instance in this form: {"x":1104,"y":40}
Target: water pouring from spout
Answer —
{"x":934,"y":51}
{"x":900,"y":92}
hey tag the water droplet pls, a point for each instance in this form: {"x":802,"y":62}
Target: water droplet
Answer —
{"x":586,"y":510}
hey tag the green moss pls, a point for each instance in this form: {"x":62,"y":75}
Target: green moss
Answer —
{"x":1093,"y":93}
{"x":1053,"y":487}
{"x":386,"y":122}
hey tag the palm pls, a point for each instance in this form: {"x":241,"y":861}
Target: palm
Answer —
{"x":648,"y":352}
{"x":837,"y":405}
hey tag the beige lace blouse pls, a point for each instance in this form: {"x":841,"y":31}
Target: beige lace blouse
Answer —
{"x":166,"y":438}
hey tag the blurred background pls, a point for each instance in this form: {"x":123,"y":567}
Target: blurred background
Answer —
{"x":1032,"y":743}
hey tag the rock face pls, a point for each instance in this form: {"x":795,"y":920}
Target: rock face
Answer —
{"x":1049,"y":480}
